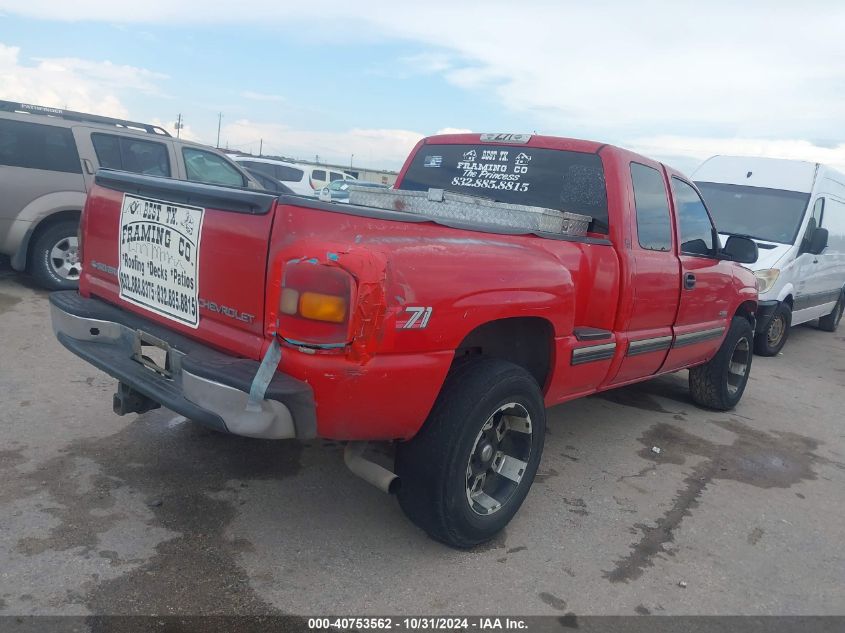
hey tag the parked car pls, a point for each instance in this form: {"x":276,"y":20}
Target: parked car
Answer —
{"x":571,"y":267}
{"x":48,"y":158}
{"x":269,"y":183}
{"x":302,"y":178}
{"x":795,"y":211}
{"x":338,"y":191}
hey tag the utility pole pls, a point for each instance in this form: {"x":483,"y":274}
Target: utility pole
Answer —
{"x":179,"y":125}
{"x":351,"y":158}
{"x":219,"y":122}
{"x":260,"y":146}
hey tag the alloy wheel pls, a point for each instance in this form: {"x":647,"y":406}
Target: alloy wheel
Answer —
{"x":499,"y":458}
{"x":64,"y":258}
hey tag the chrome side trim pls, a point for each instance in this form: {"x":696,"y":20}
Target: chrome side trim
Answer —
{"x":647,"y":345}
{"x":690,"y":338}
{"x":592,"y":353}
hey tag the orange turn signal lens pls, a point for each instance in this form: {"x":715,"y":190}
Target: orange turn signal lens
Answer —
{"x":320,"y":307}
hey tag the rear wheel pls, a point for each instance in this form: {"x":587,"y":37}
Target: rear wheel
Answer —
{"x":720,"y":383}
{"x":830,"y":322}
{"x":773,"y":338}
{"x":54,"y":262}
{"x":468,"y":470}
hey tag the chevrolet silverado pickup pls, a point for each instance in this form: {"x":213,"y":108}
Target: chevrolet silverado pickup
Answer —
{"x":504,"y":274}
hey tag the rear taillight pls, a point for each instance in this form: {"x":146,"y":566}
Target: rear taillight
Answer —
{"x":315,"y":304}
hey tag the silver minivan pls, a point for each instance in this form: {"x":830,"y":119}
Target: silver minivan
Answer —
{"x":48,"y":158}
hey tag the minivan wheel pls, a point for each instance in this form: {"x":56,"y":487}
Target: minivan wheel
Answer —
{"x":54,"y":261}
{"x":773,"y":338}
{"x":830,"y":322}
{"x":720,"y":382}
{"x":468,"y":470}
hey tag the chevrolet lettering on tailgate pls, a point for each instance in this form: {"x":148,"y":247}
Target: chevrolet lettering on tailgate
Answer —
{"x":159,"y":257}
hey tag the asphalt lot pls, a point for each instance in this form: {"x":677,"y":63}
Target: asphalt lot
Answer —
{"x":153,"y":514}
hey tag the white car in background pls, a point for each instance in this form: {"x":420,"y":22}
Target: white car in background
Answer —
{"x":338,"y":191}
{"x":795,"y":212}
{"x":305,"y":180}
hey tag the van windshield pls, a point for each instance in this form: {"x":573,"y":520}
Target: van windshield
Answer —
{"x":553,"y":179}
{"x":771,"y":215}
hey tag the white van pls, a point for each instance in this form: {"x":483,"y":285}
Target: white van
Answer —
{"x":306,"y":180}
{"x":795,"y":211}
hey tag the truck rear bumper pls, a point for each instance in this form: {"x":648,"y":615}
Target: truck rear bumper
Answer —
{"x":202,"y":384}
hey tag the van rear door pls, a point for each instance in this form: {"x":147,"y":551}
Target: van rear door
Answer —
{"x":189,"y":256}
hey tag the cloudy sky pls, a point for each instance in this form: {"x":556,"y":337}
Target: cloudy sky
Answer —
{"x":677,"y":81}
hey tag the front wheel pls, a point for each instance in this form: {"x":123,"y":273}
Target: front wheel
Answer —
{"x":830,"y":322}
{"x":468,"y":470}
{"x":720,"y":382}
{"x":773,"y":338}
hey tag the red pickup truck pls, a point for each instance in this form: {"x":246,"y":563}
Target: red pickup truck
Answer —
{"x":502,"y":275}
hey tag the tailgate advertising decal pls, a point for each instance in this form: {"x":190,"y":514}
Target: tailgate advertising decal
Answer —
{"x":159,"y":257}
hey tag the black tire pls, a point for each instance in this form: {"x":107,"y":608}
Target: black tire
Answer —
{"x":772,"y":340}
{"x":717,"y":384}
{"x":44,"y":268}
{"x":830,"y":322}
{"x":437,"y":465}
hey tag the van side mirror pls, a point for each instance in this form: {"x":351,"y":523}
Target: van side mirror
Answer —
{"x":741,"y":250}
{"x":819,"y":241}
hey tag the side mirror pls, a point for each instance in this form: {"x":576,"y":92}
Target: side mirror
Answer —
{"x":819,"y":241}
{"x":741,"y":250}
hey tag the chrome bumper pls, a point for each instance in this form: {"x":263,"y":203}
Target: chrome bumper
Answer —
{"x":113,"y":347}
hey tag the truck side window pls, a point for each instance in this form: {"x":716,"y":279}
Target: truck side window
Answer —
{"x":654,"y":227}
{"x":210,"y":168}
{"x":693,"y":220}
{"x":131,"y":154}
{"x":37,"y":146}
{"x":318,"y":174}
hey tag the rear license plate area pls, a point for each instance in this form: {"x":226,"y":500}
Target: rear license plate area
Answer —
{"x":153,"y":353}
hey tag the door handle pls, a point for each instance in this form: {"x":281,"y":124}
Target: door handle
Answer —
{"x":89,"y":167}
{"x":815,"y":261}
{"x":689,"y":281}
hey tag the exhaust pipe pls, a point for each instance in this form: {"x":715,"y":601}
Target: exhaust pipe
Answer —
{"x":373,"y":473}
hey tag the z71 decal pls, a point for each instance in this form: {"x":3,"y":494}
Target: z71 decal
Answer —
{"x":417,"y":318}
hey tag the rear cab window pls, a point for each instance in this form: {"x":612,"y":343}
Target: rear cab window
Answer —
{"x":548,"y":178}
{"x":36,"y":146}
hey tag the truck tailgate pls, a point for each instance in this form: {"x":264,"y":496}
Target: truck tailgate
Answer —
{"x":190,"y":256}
